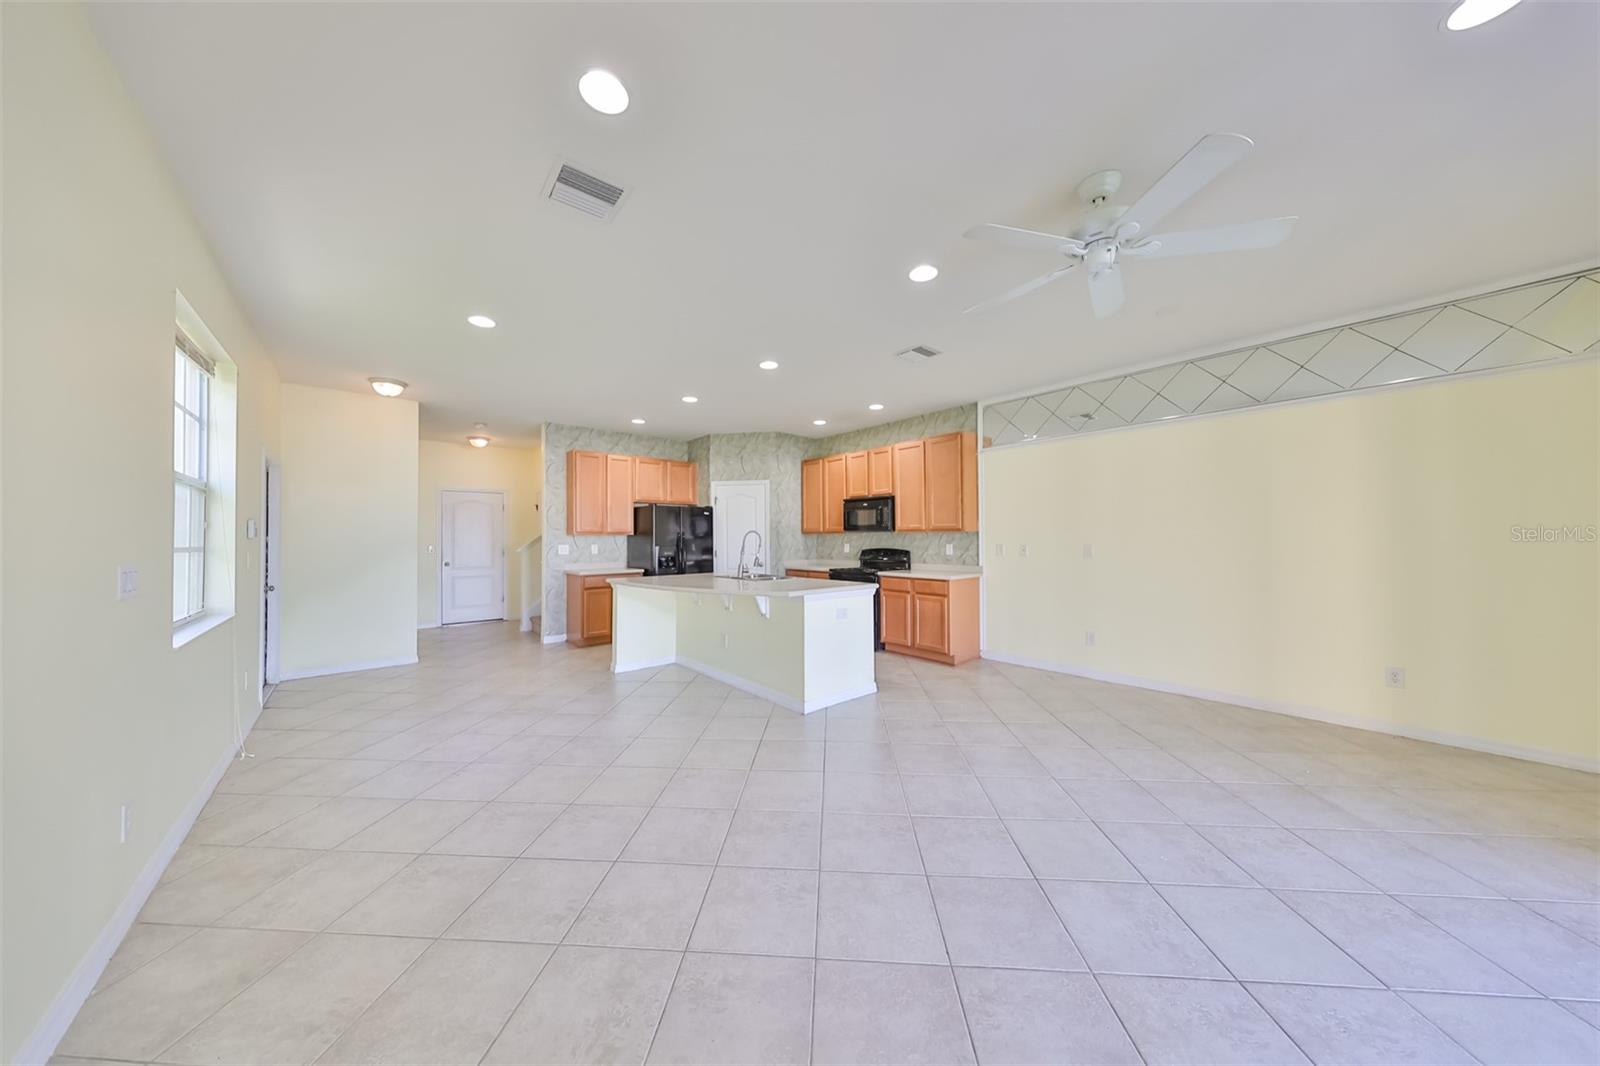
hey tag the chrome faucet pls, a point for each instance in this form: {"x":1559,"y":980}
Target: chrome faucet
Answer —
{"x":745,"y":571}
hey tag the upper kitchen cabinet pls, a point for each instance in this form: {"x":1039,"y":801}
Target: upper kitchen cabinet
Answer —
{"x":619,"y":493}
{"x":910,"y":488}
{"x":834,"y":476}
{"x":855,"y":475}
{"x":811,"y":505}
{"x":586,"y":492}
{"x":951,"y":481}
{"x":680,"y":482}
{"x":880,"y":472}
{"x":650,"y":480}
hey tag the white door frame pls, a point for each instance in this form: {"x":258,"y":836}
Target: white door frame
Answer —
{"x":766,"y":508}
{"x":270,"y":534}
{"x":505,"y":532}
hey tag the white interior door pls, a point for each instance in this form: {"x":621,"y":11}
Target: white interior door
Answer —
{"x":472,"y":560}
{"x":738,"y":507}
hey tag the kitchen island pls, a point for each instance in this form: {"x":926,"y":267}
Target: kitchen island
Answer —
{"x":804,"y":644}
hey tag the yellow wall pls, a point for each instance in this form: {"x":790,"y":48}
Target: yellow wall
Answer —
{"x":517,"y":472}
{"x":100,"y":709}
{"x":1285,"y":556}
{"x":347,"y":574}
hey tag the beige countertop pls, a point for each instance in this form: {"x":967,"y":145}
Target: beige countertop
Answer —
{"x":599,"y":568}
{"x":925,"y":571}
{"x":731,"y":586}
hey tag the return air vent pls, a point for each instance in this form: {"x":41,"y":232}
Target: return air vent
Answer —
{"x":579,"y":189}
{"x":918,"y":355}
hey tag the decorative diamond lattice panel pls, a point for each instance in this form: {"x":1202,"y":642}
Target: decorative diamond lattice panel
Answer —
{"x":1540,"y":322}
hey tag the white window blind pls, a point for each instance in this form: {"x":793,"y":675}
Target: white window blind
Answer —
{"x":191,"y":414}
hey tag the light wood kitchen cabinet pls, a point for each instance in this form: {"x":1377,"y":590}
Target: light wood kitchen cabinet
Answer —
{"x":833,"y":491}
{"x":586,"y":492}
{"x":952,"y":481}
{"x":910,"y":487}
{"x":935,"y":620}
{"x":811,"y":509}
{"x":895,"y":606}
{"x":855,"y":475}
{"x":680,"y":482}
{"x":820,"y":575}
{"x":650,"y":480}
{"x":880,"y":472}
{"x":619,"y":494}
{"x":589,"y":609}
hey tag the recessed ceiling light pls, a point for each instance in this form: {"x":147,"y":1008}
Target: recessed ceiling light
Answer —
{"x":481,"y":321}
{"x":874,"y":406}
{"x":819,"y":421}
{"x":387,"y":386}
{"x":768,"y":364}
{"x":603,"y":91}
{"x":1470,"y":13}
{"x":691,"y":399}
{"x":923,"y":272}
{"x":638,"y":421}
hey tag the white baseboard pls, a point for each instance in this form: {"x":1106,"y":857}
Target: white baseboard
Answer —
{"x":552,"y":638}
{"x":1315,"y":714}
{"x":427,"y":625}
{"x":41,"y":1043}
{"x":643,"y":664}
{"x":844,"y":697}
{"x":346,"y":668}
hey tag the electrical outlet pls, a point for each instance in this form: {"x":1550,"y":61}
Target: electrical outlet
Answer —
{"x":127,"y":582}
{"x":563,"y":549}
{"x":999,"y":550}
{"x":594,"y":549}
{"x":124,"y":824}
{"x":1088,"y":639}
{"x":1088,"y":551}
{"x":841,"y":613}
{"x":1022,"y":550}
{"x":724,"y":640}
{"x":1394,"y":676}
{"x":949,"y":549}
{"x":847,"y":547}
{"x":244,"y":682}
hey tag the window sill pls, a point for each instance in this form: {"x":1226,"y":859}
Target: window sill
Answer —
{"x":199,"y":626}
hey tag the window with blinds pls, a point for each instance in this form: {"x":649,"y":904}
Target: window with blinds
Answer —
{"x":192,"y":374}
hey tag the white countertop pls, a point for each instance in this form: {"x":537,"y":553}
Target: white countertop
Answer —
{"x":732,"y":586}
{"x":926,"y":571}
{"x":819,"y":564}
{"x":600,"y":568}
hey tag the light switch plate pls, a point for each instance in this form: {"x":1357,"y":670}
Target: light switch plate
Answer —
{"x":127,"y":582}
{"x":563,"y":549}
{"x":594,"y":549}
{"x":249,"y":529}
{"x":949,"y":549}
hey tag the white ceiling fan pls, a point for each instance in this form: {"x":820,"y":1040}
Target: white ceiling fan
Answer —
{"x":1108,"y":233}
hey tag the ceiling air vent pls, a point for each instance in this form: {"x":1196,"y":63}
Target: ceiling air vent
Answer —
{"x":918,"y":355}
{"x":576,"y":188}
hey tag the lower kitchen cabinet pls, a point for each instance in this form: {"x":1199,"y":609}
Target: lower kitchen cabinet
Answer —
{"x":821,"y":575}
{"x":589,"y":608}
{"x":935,"y":620}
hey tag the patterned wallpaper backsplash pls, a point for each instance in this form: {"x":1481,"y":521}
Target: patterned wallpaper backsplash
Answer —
{"x":558,"y":440}
{"x":771,"y":457}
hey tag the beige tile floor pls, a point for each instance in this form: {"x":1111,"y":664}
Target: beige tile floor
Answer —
{"x":505,"y":854}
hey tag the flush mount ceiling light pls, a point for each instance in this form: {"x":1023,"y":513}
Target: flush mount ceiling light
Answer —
{"x":1470,"y":13}
{"x":691,"y":399}
{"x":479,"y":439}
{"x":389,"y":387}
{"x":819,"y":421}
{"x":923,"y":272}
{"x":874,"y":406}
{"x":603,"y":91}
{"x":481,"y":321}
{"x":638,"y":421}
{"x":768,"y":364}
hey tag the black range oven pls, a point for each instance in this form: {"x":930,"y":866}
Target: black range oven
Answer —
{"x":874,"y":561}
{"x":869,"y":514}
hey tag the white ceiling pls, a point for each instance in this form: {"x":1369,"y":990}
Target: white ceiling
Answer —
{"x":370,"y":174}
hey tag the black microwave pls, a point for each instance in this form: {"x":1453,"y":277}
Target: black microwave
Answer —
{"x":869,"y":514}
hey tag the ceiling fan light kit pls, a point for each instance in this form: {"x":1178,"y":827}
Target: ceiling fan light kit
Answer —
{"x":1109,"y":232}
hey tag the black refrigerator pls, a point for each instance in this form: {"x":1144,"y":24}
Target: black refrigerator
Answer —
{"x":671,"y":539}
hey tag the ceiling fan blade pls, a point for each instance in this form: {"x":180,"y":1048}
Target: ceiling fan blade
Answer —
{"x":1239,"y":238}
{"x":1105,"y":291}
{"x":1021,"y":290}
{"x":1026,"y":239}
{"x":1214,"y":153}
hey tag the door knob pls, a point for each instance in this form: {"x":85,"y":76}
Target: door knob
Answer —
{"x":447,"y":563}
